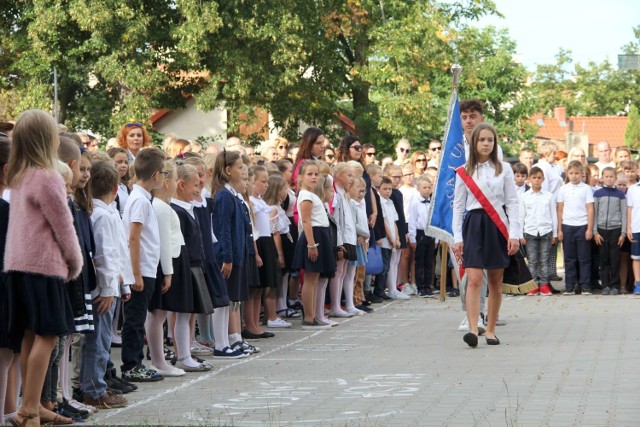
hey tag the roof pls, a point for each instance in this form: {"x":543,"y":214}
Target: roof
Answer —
{"x":606,"y":128}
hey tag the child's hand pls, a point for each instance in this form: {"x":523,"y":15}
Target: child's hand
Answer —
{"x":554,"y":240}
{"x":259,"y":261}
{"x":125,"y":297}
{"x":166,"y":283}
{"x":621,"y":240}
{"x":139,"y":285}
{"x":598,"y":239}
{"x":397,"y":245}
{"x":630,"y":236}
{"x":281,"y":260}
{"x":226,"y":269}
{"x":413,"y":246}
{"x":559,"y":235}
{"x":103,"y":304}
{"x":588,"y":235}
{"x":523,"y":241}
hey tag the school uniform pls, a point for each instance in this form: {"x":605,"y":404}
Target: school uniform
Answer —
{"x":539,"y":219}
{"x":398,"y":202}
{"x":122,"y":197}
{"x":231,"y":226}
{"x":203,"y":211}
{"x":484,"y":246}
{"x":425,"y":245}
{"x":577,"y":249}
{"x":325,"y":264}
{"x":390,"y":214}
{"x":190,"y":290}
{"x":140,"y":210}
{"x":610,"y":222}
{"x":86,"y":282}
{"x":633,"y":202}
{"x":270,"y":271}
{"x":289,"y":244}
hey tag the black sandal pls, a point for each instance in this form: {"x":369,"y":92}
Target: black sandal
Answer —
{"x":471,"y":339}
{"x":493,"y":341}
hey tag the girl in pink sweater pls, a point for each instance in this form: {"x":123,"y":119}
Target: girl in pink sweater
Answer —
{"x":42,"y":252}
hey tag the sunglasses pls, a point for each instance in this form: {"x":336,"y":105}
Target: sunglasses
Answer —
{"x":281,"y":147}
{"x":405,"y":150}
{"x":421,"y":160}
{"x":371,"y":154}
{"x":356,"y":147}
{"x":436,"y":149}
{"x":134,"y":125}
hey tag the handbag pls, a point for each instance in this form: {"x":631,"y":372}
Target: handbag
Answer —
{"x":374,"y":257}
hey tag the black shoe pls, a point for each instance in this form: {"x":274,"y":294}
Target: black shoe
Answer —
{"x":375,"y":299}
{"x":471,"y":339}
{"x":454,"y":293}
{"x":251,"y":336}
{"x":364,"y":308}
{"x":366,"y":303}
{"x":426,"y":293}
{"x":493,"y":341}
{"x":77,"y":394}
{"x":65,"y":407}
{"x":121,"y":385}
{"x":385,"y":297}
{"x":555,"y":278}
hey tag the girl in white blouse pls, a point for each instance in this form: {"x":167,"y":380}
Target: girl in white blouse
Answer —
{"x":477,"y":237}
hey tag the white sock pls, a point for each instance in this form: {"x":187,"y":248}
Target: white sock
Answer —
{"x":348,"y":285}
{"x":183,"y":339}
{"x":321,"y":293}
{"x":220,"y":327}
{"x":234,"y":338}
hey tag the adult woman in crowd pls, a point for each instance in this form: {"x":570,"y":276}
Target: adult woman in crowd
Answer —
{"x":403,"y":151}
{"x":369,"y":154}
{"x":281,"y":146}
{"x":418,"y":163}
{"x":133,"y":137}
{"x":577,"y":153}
{"x":329,"y":155}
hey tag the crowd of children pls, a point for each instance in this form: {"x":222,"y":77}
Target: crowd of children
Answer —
{"x":194,"y":254}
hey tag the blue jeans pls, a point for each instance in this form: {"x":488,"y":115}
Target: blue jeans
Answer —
{"x":95,"y":354}
{"x":538,"y":249}
{"x":381,"y":279}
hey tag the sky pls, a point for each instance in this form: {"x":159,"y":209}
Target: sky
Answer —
{"x":591,"y":29}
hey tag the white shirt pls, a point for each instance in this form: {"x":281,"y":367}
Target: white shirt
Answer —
{"x":360,"y":214}
{"x":187,"y":206}
{"x":417,"y":218}
{"x":390,"y":218}
{"x":123,"y":196}
{"x":140,"y":210}
{"x":575,"y":198}
{"x":262,"y":214}
{"x":503,"y":187}
{"x":343,"y":214}
{"x":171,"y":238}
{"x":319,"y":216}
{"x":538,"y":214}
{"x":6,"y":194}
{"x":552,"y":181}
{"x":633,"y":201}
{"x":408,"y":194}
{"x":601,"y":166}
{"x":521,"y":189}
{"x":111,"y":257}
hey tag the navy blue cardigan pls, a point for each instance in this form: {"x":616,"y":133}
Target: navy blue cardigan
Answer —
{"x":230,"y":225}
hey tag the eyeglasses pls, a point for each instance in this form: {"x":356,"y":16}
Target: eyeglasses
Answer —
{"x":421,"y":160}
{"x":435,"y":148}
{"x":405,"y":150}
{"x":330,"y":156}
{"x":134,"y":125}
{"x":356,"y":147}
{"x":371,"y":154}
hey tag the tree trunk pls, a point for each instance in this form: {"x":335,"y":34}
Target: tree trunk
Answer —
{"x":360,"y":94}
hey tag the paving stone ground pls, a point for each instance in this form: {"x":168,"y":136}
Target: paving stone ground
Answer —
{"x":564,"y":361}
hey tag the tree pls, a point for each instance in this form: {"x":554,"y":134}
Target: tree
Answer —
{"x":632,"y":133}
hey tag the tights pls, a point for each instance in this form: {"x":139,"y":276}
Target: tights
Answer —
{"x":155,"y":338}
{"x":283,"y":289}
{"x":63,"y":379}
{"x":221,"y":327}
{"x":182,"y":336}
{"x":348,"y":286}
{"x":205,"y":326}
{"x":321,"y":293}
{"x":6,"y":357}
{"x":392,"y":276}
{"x":336,"y":287}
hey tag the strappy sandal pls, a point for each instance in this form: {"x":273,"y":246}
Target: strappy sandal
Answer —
{"x":27,"y":420}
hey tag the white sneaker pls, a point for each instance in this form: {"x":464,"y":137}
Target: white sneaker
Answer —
{"x":407,"y":289}
{"x":171,"y":372}
{"x":355,"y":311}
{"x":396,"y":294}
{"x":278,"y":323}
{"x":464,"y":325}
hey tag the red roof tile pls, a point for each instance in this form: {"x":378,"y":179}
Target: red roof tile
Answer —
{"x":610,"y":128}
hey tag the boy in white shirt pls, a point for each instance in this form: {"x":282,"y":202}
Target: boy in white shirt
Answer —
{"x":539,"y":220}
{"x":142,"y":230}
{"x":113,"y":274}
{"x":423,"y":245}
{"x":633,"y":231}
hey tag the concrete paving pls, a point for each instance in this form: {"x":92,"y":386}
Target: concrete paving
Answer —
{"x":563,"y":361}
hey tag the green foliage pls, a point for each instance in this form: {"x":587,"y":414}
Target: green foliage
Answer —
{"x":632,"y":133}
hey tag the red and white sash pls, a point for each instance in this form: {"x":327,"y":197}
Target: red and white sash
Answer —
{"x":488,"y":200}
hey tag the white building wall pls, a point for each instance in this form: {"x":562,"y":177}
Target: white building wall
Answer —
{"x":190,"y":123}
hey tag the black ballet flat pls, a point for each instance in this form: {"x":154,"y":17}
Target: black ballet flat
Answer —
{"x":493,"y":341}
{"x":471,"y":339}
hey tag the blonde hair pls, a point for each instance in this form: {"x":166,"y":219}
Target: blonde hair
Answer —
{"x":184,"y":170}
{"x":276,"y":184}
{"x":340,"y":168}
{"x":323,"y":168}
{"x":546,"y":148}
{"x":34,"y":143}
{"x":64,"y":170}
{"x":374,"y":169}
{"x":175,"y":146}
{"x":356,"y":166}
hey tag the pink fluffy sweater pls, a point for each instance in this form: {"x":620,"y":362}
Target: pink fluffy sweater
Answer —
{"x":41,"y":238}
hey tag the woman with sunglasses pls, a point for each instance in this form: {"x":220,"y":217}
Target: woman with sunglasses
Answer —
{"x":329,"y":155}
{"x":368,"y":155}
{"x":433,"y":153}
{"x":403,"y":151}
{"x":133,"y":137}
{"x":281,"y":146}
{"x":418,"y":164}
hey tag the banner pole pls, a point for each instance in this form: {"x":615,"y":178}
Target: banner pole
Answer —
{"x":443,"y":270}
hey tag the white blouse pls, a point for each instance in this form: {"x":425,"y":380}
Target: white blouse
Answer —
{"x":171,"y":238}
{"x":503,"y":187}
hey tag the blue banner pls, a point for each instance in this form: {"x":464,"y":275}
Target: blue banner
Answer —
{"x":453,"y":156}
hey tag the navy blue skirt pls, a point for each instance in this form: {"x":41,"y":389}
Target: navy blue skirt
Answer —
{"x":270,"y":274}
{"x":238,"y":281}
{"x":325,"y":264}
{"x":484,"y":246}
{"x":39,"y":304}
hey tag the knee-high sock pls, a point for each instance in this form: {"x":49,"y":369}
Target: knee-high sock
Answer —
{"x":182,"y":338}
{"x":348,"y":284}
{"x":221,"y":327}
{"x":155,"y":340}
{"x":205,"y":326}
{"x":64,"y":377}
{"x":321,"y":294}
{"x":283,"y":290}
{"x":336,"y":285}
